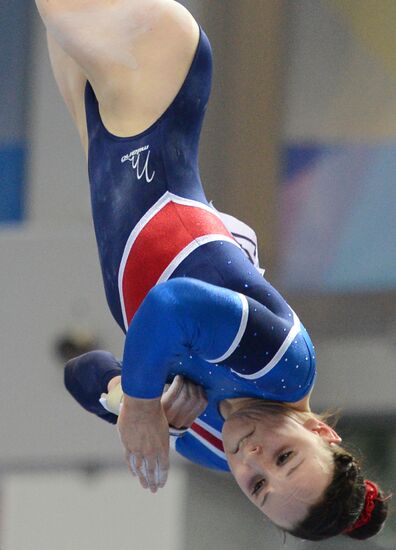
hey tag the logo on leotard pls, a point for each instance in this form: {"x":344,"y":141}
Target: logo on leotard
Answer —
{"x":137,"y":158}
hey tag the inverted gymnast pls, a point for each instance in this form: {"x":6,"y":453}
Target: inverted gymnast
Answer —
{"x":211,"y":347}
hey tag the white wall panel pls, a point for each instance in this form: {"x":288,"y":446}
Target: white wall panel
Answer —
{"x":103,"y":512}
{"x":48,"y":285}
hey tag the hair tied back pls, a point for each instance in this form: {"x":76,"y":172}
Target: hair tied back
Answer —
{"x":369,"y":505}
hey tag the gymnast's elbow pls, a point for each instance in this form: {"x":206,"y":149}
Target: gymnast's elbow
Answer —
{"x":170,"y":299}
{"x":165,"y":295}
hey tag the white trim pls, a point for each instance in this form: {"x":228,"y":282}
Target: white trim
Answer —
{"x":279,"y":354}
{"x":183,"y":254}
{"x":131,"y":239}
{"x":209,"y":429}
{"x":166,"y":198}
{"x":190,"y":202}
{"x":103,"y":402}
{"x":207,"y":443}
{"x":239,"y":334}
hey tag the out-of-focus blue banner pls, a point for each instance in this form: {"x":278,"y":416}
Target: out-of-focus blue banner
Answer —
{"x":15,"y":47}
{"x":338,"y":198}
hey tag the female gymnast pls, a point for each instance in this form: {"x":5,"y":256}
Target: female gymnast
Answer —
{"x":211,"y":347}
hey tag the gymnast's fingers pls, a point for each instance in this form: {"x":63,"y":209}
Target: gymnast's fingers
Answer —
{"x":171,"y":394}
{"x":131,"y":462}
{"x":139,"y":465}
{"x":163,"y":469}
{"x":152,"y":473}
{"x":197,"y":404}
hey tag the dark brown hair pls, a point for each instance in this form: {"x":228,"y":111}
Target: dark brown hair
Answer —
{"x":342,"y":504}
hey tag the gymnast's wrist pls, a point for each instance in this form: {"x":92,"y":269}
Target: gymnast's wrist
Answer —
{"x":177,"y":432}
{"x":134,"y":406}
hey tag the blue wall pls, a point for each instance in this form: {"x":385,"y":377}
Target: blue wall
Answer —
{"x":15,"y":52}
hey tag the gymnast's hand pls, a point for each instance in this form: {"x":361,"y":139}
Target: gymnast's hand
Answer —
{"x":183,"y":402}
{"x":143,"y":429}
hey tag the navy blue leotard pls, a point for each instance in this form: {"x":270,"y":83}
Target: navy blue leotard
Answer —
{"x":176,"y":280}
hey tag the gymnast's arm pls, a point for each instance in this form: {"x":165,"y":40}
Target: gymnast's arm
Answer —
{"x":176,"y":316}
{"x":187,"y":316}
{"x":181,"y":316}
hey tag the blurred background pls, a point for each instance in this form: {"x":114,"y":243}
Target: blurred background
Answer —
{"x":299,"y":142}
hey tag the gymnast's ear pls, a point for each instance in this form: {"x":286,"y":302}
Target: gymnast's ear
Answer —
{"x":323,"y":430}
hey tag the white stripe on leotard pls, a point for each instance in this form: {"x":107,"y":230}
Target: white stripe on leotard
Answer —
{"x":239,"y":334}
{"x":279,"y":354}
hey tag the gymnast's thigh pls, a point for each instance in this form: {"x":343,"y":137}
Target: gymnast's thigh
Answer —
{"x":135,"y":54}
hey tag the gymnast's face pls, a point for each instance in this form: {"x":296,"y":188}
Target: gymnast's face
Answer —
{"x":283,"y":465}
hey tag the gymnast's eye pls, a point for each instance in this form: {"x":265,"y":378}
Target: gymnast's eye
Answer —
{"x":283,"y":458}
{"x":258,"y":486}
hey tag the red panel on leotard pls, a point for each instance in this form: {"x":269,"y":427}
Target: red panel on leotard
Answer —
{"x":205,"y":434}
{"x":173,"y":228}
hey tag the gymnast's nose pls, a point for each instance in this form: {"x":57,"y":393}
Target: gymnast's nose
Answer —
{"x":251,"y":452}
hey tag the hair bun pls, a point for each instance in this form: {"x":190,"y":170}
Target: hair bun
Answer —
{"x":373,"y":515}
{"x":348,"y":466}
{"x":345,"y":459}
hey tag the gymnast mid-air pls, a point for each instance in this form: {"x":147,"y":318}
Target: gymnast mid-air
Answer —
{"x":215,"y":360}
